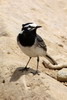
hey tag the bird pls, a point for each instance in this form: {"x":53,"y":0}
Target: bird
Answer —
{"x":32,"y":44}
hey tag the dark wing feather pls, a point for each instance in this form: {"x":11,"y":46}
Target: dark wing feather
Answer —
{"x":41,"y":43}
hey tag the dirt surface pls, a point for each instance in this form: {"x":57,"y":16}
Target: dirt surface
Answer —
{"x":52,"y":16}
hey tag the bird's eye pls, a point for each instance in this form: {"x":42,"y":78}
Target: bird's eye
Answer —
{"x":29,"y":28}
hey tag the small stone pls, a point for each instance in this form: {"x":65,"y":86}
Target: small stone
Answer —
{"x":8,"y":52}
{"x":62,"y":75}
{"x":60,"y":45}
{"x":3,"y":81}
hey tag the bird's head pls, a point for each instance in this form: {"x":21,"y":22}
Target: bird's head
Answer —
{"x":30,"y":27}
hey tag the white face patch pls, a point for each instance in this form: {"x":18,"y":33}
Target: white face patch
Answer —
{"x":32,"y":25}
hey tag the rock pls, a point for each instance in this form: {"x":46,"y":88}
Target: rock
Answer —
{"x":62,"y":75}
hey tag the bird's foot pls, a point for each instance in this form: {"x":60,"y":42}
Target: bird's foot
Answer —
{"x":55,"y":63}
{"x":24,"y":69}
{"x":36,"y":72}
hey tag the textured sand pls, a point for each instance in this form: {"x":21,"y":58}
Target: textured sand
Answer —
{"x":52,"y":16}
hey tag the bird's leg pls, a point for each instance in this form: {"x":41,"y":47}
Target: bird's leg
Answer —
{"x":26,"y":66}
{"x":37,"y":67}
{"x":37,"y":63}
{"x":27,"y":63}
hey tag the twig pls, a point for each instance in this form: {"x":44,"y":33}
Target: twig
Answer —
{"x":55,"y":67}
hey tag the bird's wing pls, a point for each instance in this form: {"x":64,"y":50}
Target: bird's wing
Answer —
{"x":41,"y":43}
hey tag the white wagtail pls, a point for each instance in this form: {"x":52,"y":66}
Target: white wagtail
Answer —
{"x":32,"y":44}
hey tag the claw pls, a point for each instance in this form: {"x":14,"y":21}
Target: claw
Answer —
{"x":36,"y":72}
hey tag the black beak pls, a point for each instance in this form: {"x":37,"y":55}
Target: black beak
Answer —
{"x":38,"y":26}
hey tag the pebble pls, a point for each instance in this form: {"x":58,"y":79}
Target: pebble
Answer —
{"x":62,"y":75}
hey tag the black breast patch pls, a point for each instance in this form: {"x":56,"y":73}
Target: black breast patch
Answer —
{"x":26,"y":40}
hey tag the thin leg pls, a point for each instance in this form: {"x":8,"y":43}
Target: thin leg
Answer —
{"x":37,"y":67}
{"x":28,"y":62}
{"x":37,"y":63}
{"x":26,"y":65}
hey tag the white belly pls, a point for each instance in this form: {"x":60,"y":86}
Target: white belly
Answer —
{"x":32,"y":51}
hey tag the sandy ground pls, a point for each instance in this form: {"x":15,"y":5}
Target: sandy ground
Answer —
{"x":52,"y":16}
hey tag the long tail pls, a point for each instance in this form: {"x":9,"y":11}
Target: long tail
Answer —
{"x":51,"y":60}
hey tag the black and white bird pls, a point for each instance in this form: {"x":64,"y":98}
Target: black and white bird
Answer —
{"x":32,"y":44}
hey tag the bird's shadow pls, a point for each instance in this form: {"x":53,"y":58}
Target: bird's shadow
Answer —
{"x":18,"y":73}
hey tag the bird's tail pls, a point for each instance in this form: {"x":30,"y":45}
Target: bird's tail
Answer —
{"x":51,"y":59}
